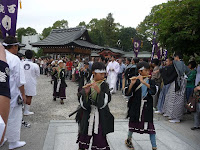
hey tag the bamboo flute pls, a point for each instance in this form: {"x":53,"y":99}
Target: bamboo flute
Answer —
{"x":87,"y":85}
{"x":132,"y":78}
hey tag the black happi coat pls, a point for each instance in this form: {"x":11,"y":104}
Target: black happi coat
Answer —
{"x":106,"y":119}
{"x":169,"y":74}
{"x":55,"y":79}
{"x":82,"y":76}
{"x":134,"y":102}
{"x":62,"y":78}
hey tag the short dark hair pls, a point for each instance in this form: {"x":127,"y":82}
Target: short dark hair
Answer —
{"x":143,"y":64}
{"x":128,"y":59}
{"x":10,"y":40}
{"x":170,"y":58}
{"x":146,"y":59}
{"x":98,"y":65}
{"x":180,"y":55}
{"x":113,"y":56}
{"x":86,"y":63}
{"x":136,"y":60}
{"x":102,"y":58}
{"x":29,"y":54}
{"x":155,"y":61}
{"x":20,"y":55}
{"x":193,"y":64}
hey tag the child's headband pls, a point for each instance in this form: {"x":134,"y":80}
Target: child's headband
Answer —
{"x":100,"y":71}
{"x":5,"y":44}
{"x":142,"y":68}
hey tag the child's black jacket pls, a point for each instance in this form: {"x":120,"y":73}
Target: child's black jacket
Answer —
{"x":134,"y":102}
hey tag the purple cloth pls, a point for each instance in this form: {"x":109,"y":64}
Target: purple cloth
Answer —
{"x":136,"y":45}
{"x":165,"y":52}
{"x":61,"y":94}
{"x":159,"y":52}
{"x":99,"y":141}
{"x":139,"y":126}
{"x":8,"y":16}
{"x":155,"y":47}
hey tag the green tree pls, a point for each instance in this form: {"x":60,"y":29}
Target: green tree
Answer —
{"x":30,"y":31}
{"x":125,"y":36}
{"x":82,"y":24}
{"x":96,"y":31}
{"x":46,"y":32}
{"x":40,"y":53}
{"x":60,"y":24}
{"x":111,"y":31}
{"x":104,"y":32}
{"x":178,"y":25}
{"x":20,"y":32}
{"x":25,"y":32}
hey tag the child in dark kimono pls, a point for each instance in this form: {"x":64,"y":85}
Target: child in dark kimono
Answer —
{"x":95,"y":119}
{"x":140,"y":105}
{"x":84,"y":75}
{"x":59,"y":82}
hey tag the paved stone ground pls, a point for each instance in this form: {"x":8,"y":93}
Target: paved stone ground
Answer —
{"x":62,"y":134}
{"x":47,"y":110}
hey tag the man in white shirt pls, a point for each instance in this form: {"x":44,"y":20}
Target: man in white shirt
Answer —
{"x":15,"y":116}
{"x":112,"y":70}
{"x":32,"y":71}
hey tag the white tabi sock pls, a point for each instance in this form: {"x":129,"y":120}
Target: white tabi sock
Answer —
{"x":13,"y":145}
{"x":26,"y":110}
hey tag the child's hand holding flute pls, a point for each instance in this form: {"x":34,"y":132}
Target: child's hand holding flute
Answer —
{"x":133,"y":80}
{"x":93,"y":85}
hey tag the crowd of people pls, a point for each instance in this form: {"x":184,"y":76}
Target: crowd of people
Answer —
{"x":168,"y":86}
{"x":148,"y":85}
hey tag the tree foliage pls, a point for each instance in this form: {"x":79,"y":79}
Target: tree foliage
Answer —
{"x":106,"y":32}
{"x":46,"y":32}
{"x":177,"y":23}
{"x":25,"y":32}
{"x":60,"y":24}
{"x":82,"y":24}
{"x":39,"y":53}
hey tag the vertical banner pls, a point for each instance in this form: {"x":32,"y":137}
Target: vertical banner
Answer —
{"x":165,"y":52}
{"x":136,"y":47}
{"x":155,"y":47}
{"x":8,"y":17}
{"x":160,"y":52}
{"x":154,"y":44}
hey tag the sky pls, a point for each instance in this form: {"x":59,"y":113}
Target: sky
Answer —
{"x":40,"y":14}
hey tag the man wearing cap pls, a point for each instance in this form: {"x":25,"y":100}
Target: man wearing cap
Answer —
{"x":16,"y":85}
{"x":32,"y":71}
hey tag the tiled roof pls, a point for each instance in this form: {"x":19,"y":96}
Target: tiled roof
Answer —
{"x":63,"y":37}
{"x":87,"y":44}
{"x":113,"y":50}
{"x":142,"y":54}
